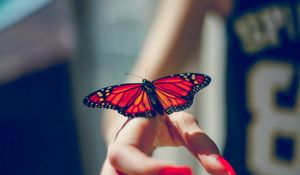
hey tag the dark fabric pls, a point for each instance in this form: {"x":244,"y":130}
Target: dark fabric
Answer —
{"x":37,"y":126}
{"x":249,"y":22}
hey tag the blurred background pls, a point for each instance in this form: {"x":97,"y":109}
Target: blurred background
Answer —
{"x":55,"y":52}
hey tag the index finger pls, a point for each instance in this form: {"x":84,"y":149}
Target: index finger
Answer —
{"x":202,"y":146}
{"x":138,"y":132}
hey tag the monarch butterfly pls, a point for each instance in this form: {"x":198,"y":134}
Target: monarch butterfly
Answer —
{"x":165,"y":95}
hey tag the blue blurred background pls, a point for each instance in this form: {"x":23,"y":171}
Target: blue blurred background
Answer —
{"x":55,"y":52}
{"x":52,"y":53}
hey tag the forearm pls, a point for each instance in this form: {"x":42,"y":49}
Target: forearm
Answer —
{"x":172,"y":39}
{"x":169,"y":45}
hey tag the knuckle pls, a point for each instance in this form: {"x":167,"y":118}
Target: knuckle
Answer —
{"x":113,"y":154}
{"x":189,"y":119}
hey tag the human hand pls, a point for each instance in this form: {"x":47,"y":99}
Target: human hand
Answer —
{"x":130,"y":152}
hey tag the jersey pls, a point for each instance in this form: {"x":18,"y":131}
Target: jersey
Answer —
{"x":262,"y":91}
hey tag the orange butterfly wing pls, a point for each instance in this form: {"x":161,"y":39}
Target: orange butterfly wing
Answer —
{"x":176,"y":92}
{"x":128,"y":99}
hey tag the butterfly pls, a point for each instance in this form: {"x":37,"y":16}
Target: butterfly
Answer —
{"x":169,"y":94}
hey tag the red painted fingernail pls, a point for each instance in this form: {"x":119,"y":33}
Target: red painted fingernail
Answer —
{"x":226,"y":165}
{"x":184,"y":170}
{"x":120,"y":173}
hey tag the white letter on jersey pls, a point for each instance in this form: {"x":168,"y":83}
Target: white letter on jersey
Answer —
{"x":269,"y":120}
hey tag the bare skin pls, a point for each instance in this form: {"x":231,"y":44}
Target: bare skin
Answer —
{"x":168,"y":47}
{"x":137,"y":140}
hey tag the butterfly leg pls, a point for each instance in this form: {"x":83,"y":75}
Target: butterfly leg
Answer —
{"x":124,"y":124}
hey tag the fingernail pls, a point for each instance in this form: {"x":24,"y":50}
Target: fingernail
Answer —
{"x":226,"y":165}
{"x":184,"y":170}
{"x":120,"y":173}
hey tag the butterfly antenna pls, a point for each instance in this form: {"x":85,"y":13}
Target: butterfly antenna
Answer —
{"x":133,"y":75}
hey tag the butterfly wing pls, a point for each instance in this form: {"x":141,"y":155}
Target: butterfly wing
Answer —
{"x":129,"y":100}
{"x":176,"y":92}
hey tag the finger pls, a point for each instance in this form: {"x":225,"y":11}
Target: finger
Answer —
{"x":130,"y":160}
{"x":203,"y":147}
{"x":140,"y":133}
{"x":107,"y":168}
{"x":130,"y":152}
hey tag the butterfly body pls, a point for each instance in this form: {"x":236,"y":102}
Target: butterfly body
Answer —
{"x":165,"y":95}
{"x":150,"y":90}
